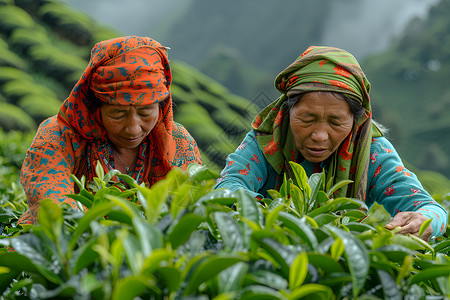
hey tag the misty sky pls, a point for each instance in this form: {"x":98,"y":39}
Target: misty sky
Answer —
{"x":365,"y":28}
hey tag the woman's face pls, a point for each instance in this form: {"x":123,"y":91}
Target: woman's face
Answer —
{"x":127,"y":126}
{"x":320,"y":121}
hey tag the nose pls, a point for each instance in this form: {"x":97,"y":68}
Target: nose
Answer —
{"x":132,"y":126}
{"x":319,"y":134}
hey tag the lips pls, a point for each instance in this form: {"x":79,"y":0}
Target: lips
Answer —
{"x":132,"y":140}
{"x":316,"y":151}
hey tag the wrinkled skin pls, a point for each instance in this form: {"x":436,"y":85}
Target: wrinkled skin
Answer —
{"x":320,"y":122}
{"x":126,"y":127}
{"x":410,"y":222}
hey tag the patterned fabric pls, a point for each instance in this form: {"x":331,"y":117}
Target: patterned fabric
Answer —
{"x":123,"y":71}
{"x":389,"y":183}
{"x":320,"y":69}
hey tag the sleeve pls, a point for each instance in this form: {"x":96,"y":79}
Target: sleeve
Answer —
{"x":187,"y":151}
{"x":245,"y":168}
{"x":398,"y":189}
{"x":46,"y":170}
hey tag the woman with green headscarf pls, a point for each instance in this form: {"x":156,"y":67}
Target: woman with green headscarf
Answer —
{"x":323,"y":121}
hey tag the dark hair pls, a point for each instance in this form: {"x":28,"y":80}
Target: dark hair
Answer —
{"x":355,"y":107}
{"x":92,"y":102}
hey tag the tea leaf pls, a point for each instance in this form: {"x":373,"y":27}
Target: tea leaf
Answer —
{"x":318,"y":291}
{"x":230,"y":231}
{"x":357,"y":257}
{"x":298,"y":270}
{"x":424,"y":226}
{"x":208,"y":268}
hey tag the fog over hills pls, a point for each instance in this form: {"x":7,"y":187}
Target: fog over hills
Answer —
{"x":360,"y":26}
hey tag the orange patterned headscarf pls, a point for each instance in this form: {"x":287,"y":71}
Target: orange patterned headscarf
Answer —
{"x":125,"y":71}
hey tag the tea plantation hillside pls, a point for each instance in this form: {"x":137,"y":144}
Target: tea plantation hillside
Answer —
{"x":45,"y":47}
{"x":411,"y":91}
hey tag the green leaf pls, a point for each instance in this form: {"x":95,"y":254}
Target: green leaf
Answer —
{"x":276,"y":202}
{"x":15,"y":263}
{"x":316,"y":182}
{"x":110,"y":175}
{"x":302,"y":178}
{"x":82,"y":199}
{"x":257,"y":292}
{"x":442,"y":246}
{"x":83,"y":256}
{"x":156,"y":259}
{"x":181,"y":198}
{"x":32,"y":257}
{"x":357,"y":257}
{"x":198,"y":173}
{"x":300,"y":227}
{"x":281,"y":254}
{"x":355,"y":215}
{"x":208,"y":268}
{"x":337,"y":249}
{"x":395,"y":253}
{"x":230,"y":231}
{"x":182,"y":229}
{"x":325,"y":262}
{"x":248,"y":209}
{"x":274,"y":194}
{"x":99,"y":171}
{"x":329,"y":183}
{"x":390,"y":288}
{"x":337,"y":186}
{"x":298,"y":198}
{"x":323,"y":219}
{"x":266,"y":278}
{"x":321,"y":198}
{"x":232,"y":278}
{"x":284,"y":188}
{"x":133,"y":253}
{"x":312,"y":291}
{"x":272,"y":216}
{"x":171,"y":277}
{"x":134,"y":286}
{"x":424,"y":226}
{"x":430,"y":273}
{"x":128,"y":180}
{"x":220,"y":196}
{"x":81,"y":183}
{"x":359,"y":227}
{"x":405,"y":269}
{"x":410,"y":241}
{"x":150,"y":237}
{"x":153,"y":199}
{"x":98,"y":211}
{"x":338,"y":204}
{"x":298,"y":270}
{"x":50,"y":218}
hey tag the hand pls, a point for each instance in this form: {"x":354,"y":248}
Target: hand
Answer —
{"x":410,"y":222}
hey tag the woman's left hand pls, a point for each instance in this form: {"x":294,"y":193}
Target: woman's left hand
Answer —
{"x":410,"y":222}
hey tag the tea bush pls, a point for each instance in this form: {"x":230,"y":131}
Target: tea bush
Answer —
{"x":180,"y":239}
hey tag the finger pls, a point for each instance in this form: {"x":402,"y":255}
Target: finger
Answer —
{"x":412,"y":228}
{"x":399,"y":220}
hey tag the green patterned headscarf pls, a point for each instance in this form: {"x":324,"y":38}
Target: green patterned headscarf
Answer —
{"x":321,"y":69}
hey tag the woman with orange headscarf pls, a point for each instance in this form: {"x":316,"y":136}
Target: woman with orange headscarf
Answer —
{"x":118,"y":114}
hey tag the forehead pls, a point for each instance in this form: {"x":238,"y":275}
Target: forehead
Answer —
{"x":114,"y":107}
{"x":322,"y":101}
